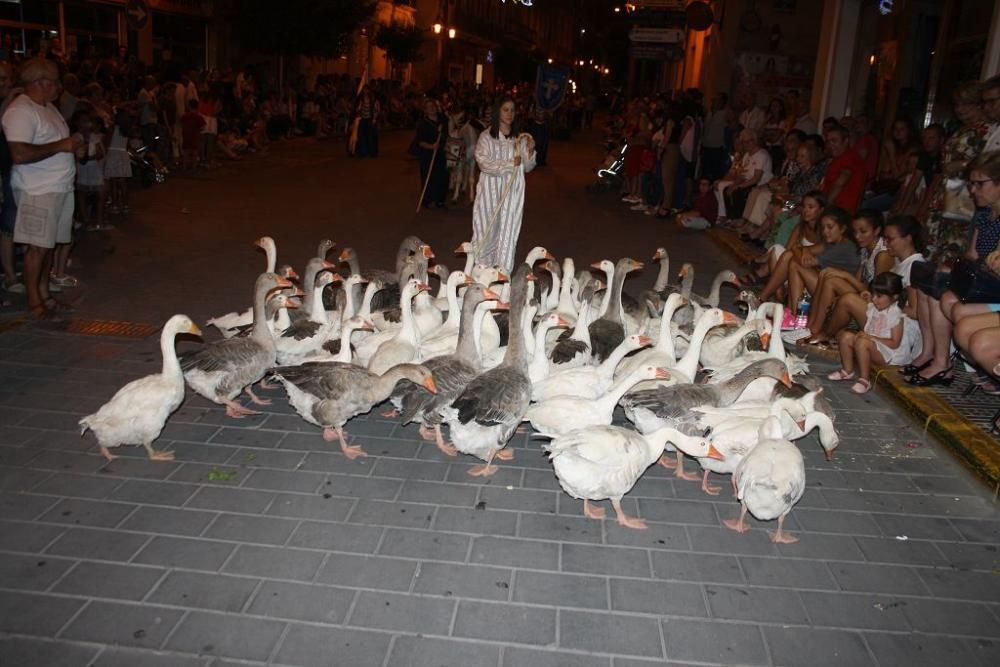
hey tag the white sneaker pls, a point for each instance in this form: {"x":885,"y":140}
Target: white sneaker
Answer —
{"x":639,"y":206}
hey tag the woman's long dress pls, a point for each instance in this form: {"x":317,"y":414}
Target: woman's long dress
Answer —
{"x":496,"y":244}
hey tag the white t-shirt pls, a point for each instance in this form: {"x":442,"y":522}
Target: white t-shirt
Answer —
{"x":30,"y":123}
{"x":903,"y":268}
{"x":992,"y":138}
{"x":760,"y":160}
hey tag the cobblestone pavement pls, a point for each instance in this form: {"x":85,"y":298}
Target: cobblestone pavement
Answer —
{"x":262,"y":544}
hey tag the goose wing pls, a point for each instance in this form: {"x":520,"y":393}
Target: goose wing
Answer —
{"x":497,"y":397}
{"x":223,"y":355}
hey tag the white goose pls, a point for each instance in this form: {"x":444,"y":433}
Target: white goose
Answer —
{"x":402,"y":347}
{"x":538,"y":368}
{"x":444,"y":339}
{"x":663,"y":352}
{"x":769,"y":481}
{"x":605,"y":462}
{"x":304,"y":336}
{"x":574,"y":350}
{"x":586,"y":381}
{"x":776,"y":349}
{"x":137,"y":412}
{"x":561,"y":414}
{"x":230,"y":323}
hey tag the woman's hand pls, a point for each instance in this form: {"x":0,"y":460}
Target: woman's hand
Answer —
{"x":993,"y":261}
{"x":808,"y":260}
{"x":866,"y":295}
{"x":530,"y":143}
{"x":517,"y":160}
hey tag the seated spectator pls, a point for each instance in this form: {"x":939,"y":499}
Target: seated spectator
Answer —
{"x":977,"y":335}
{"x":866,"y":146}
{"x":759,"y":201}
{"x":874,"y":258}
{"x":883,"y":339}
{"x":837,"y":251}
{"x":903,"y":241}
{"x":705,"y":208}
{"x":936,"y":307}
{"x":844,"y":181}
{"x":804,"y":234}
{"x":774,"y":130}
{"x":753,"y":169}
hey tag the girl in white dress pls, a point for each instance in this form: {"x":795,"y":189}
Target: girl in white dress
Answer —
{"x":884,"y":340}
{"x":503,"y":157}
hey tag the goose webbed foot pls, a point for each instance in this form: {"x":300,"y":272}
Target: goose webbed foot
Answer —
{"x":505,"y":454}
{"x":350,"y":451}
{"x":710,"y":490}
{"x":625,"y":520}
{"x":428,"y":434}
{"x":447,"y":449}
{"x":158,"y":455}
{"x":739,"y":525}
{"x":780,"y":536}
{"x":255,"y":399}
{"x":391,"y":413}
{"x":592,"y":512}
{"x":484,"y":470}
{"x":236,"y":410}
{"x":264,"y":384}
{"x":106,"y":453}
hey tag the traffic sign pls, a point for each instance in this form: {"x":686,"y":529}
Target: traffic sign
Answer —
{"x":656,"y":35}
{"x":136,"y":14}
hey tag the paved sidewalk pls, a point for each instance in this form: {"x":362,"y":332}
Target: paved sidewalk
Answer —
{"x":262,"y":544}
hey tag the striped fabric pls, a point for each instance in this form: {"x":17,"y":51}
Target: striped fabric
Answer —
{"x":495,"y":242}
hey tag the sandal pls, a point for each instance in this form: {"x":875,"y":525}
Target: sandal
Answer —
{"x":43,"y":314}
{"x":862,"y":386}
{"x":841,"y":374}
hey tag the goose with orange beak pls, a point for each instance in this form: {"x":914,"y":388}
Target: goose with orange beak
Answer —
{"x":222,"y":369}
{"x":605,"y":462}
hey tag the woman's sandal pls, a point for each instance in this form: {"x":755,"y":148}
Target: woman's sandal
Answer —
{"x":59,"y":306}
{"x":43,"y":314}
{"x":862,"y":386}
{"x":910,"y":369}
{"x":840,"y":374}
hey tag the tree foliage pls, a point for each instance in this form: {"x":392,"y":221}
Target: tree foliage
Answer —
{"x":400,"y":42}
{"x":320,"y":28}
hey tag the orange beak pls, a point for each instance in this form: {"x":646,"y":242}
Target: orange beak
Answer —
{"x":644,"y":341}
{"x":429,"y":385}
{"x":562,"y":322}
{"x":366,"y":326}
{"x":502,"y":277}
{"x":549,"y":255}
{"x":683,"y":273}
{"x":532,"y":277}
{"x":292,"y":303}
{"x":343,"y":255}
{"x":423,"y":287}
{"x":428,"y":253}
{"x":459,"y":250}
{"x":596,"y":265}
{"x":829,"y":454}
{"x":468,"y":281}
{"x":298,"y":291}
{"x":662,"y":374}
{"x":786,"y":379}
{"x":736,"y":281}
{"x":714,"y":453}
{"x":283,"y":282}
{"x":329,"y":265}
{"x":259,"y":242}
{"x":729,"y":318}
{"x":193,"y":329}
{"x":636,"y":265}
{"x":765,"y":339}
{"x":292,"y":273}
{"x":503,"y":305}
{"x":801,"y":424}
{"x":658,"y":255}
{"x":491,"y":295}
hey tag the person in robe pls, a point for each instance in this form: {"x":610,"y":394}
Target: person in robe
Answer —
{"x":504,"y":156}
{"x":430,"y":139}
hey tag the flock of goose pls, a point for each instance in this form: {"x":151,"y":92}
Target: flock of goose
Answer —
{"x":549,"y":345}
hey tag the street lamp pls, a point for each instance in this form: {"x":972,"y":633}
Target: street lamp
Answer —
{"x":438,"y":25}
{"x":451,"y":33}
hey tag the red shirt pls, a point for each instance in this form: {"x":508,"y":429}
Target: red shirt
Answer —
{"x":850,"y":195}
{"x":871,"y":162}
{"x":191,"y":124}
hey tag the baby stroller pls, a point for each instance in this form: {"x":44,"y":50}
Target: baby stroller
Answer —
{"x":610,"y":173}
{"x":144,"y":168}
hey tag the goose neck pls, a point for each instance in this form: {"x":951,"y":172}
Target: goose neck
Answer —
{"x":171,"y":366}
{"x":663,"y":277}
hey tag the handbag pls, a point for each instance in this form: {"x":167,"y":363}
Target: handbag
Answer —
{"x":973,"y":282}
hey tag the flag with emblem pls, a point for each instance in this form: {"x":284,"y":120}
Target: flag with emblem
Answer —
{"x":551,"y":86}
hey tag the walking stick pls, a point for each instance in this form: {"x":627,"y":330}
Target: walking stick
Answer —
{"x":430,"y":170}
{"x":503,"y":197}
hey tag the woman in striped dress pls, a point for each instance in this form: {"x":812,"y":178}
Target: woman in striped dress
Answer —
{"x":503,"y":157}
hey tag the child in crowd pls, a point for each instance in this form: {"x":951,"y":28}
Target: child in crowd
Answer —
{"x":117,"y":167}
{"x":89,"y":172}
{"x":705,"y":209}
{"x":882,"y":340}
{"x":191,"y":123}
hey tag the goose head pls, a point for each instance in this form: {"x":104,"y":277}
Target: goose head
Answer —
{"x":441,"y":271}
{"x":347,"y":254}
{"x":358,"y":323}
{"x":463,"y":248}
{"x":425,"y":251}
{"x":415,"y":373}
{"x":771,"y":368}
{"x":325,"y":246}
{"x":627,"y":264}
{"x":691,"y":445}
{"x":266,"y":243}
{"x":636,"y":342}
{"x":605,"y":265}
{"x":180,"y":324}
{"x":728,"y":276}
{"x":354,"y":279}
{"x":287,"y":272}
{"x":660,"y":255}
{"x":829,"y":439}
{"x":537,"y":253}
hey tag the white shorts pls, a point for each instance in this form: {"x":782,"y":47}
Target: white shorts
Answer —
{"x":43,"y":220}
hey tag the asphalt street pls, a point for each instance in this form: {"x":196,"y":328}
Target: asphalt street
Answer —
{"x":262,"y":544}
